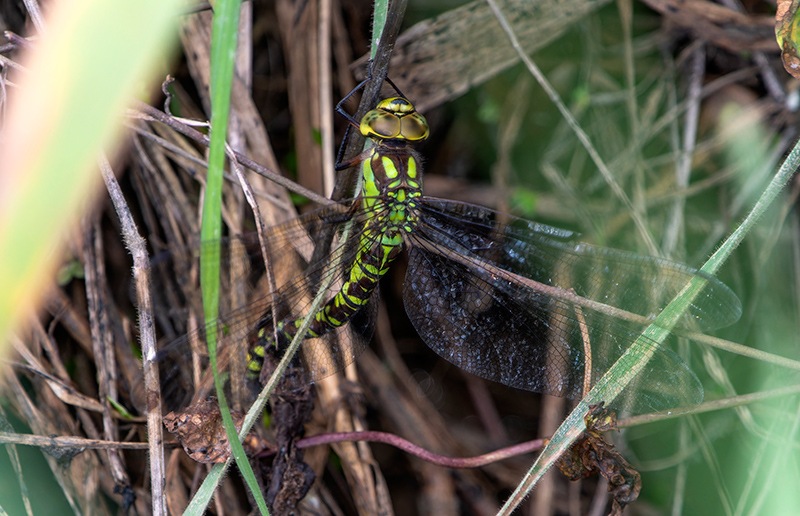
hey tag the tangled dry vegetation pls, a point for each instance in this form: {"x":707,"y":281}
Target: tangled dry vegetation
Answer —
{"x":78,"y":375}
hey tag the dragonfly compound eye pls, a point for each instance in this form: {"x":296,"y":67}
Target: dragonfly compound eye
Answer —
{"x":414,"y":127}
{"x":380,"y":124}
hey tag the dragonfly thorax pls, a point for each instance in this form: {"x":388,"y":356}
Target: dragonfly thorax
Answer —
{"x":392,"y":184}
{"x":392,"y":178}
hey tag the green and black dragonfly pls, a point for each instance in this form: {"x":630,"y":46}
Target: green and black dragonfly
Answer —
{"x":509,"y":300}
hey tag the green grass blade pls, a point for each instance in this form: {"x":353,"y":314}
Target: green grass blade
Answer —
{"x":223,"y":53}
{"x":621,"y":374}
{"x":380,"y":12}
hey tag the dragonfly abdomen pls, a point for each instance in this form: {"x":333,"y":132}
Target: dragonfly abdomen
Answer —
{"x":372,"y":262}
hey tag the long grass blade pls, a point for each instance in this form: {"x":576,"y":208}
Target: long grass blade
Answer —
{"x":223,"y":51}
{"x":612,"y":383}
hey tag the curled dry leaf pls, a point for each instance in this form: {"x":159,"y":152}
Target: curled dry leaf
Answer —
{"x":199,"y":430}
{"x":591,"y":455}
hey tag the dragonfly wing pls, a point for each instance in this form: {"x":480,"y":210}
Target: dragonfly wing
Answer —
{"x":635,"y":283}
{"x":297,"y":268}
{"x":513,"y":335}
{"x":496,"y":333}
{"x":469,"y":294}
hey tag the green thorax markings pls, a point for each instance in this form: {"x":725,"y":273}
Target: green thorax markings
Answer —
{"x":391,"y":189}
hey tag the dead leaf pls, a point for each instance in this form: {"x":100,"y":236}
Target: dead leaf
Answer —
{"x":591,"y":455}
{"x":199,"y":430}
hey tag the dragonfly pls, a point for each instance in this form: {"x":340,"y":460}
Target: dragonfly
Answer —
{"x":510,"y":300}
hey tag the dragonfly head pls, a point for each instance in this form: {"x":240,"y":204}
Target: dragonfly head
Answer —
{"x":395,"y":118}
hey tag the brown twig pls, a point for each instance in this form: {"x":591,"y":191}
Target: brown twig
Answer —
{"x":136,"y":245}
{"x":158,"y":115}
{"x":54,"y":442}
{"x":102,"y":343}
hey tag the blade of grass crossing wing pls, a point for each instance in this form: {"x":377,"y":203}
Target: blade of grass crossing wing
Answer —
{"x":635,"y":359}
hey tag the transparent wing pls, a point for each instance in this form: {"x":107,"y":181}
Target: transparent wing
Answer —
{"x":297,"y":265}
{"x":474,"y":305}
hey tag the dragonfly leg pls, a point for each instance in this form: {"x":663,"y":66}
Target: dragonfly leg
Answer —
{"x":341,"y":163}
{"x":351,"y":162}
{"x":340,"y":105}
